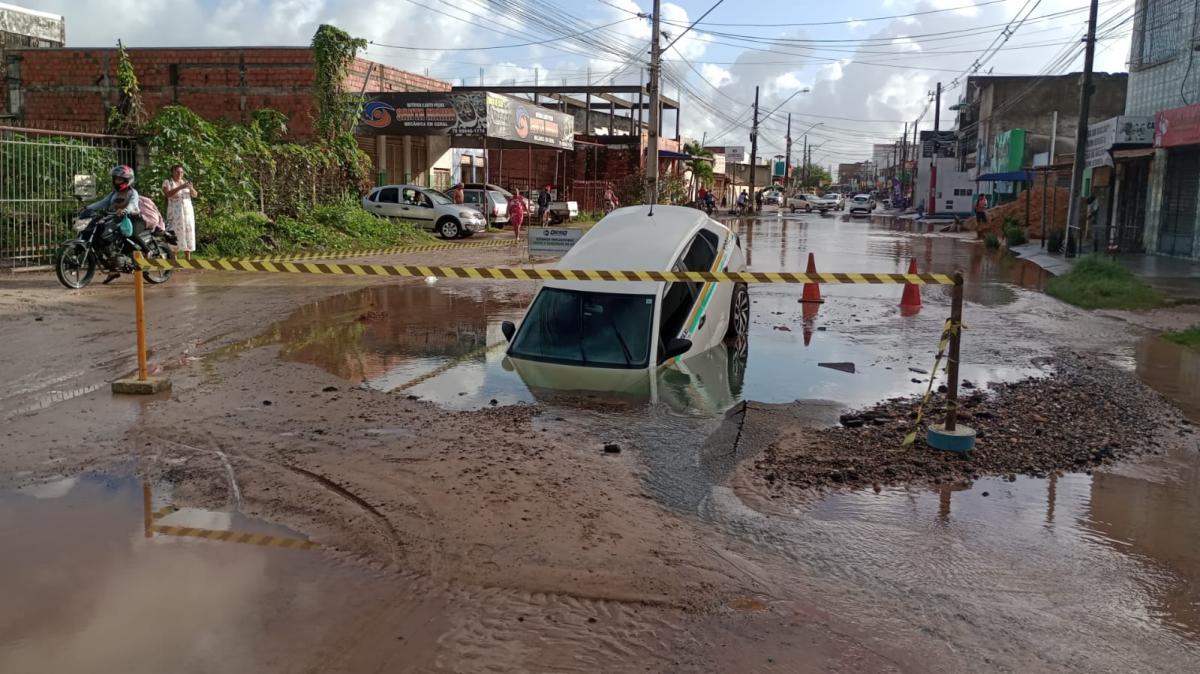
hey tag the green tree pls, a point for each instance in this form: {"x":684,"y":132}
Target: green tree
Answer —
{"x":817,"y":175}
{"x":701,"y":165}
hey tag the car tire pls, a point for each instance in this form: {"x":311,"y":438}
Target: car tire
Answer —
{"x":449,"y":228}
{"x":739,"y":313}
{"x":808,"y":209}
{"x":793,"y":210}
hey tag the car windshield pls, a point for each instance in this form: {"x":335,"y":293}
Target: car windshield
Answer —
{"x":831,"y":196}
{"x":587,"y":328}
{"x":439,"y":199}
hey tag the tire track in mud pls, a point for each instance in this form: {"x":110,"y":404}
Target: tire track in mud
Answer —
{"x":348,"y":495}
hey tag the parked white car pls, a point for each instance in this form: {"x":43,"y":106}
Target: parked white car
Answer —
{"x":597,"y":335}
{"x":428,"y":208}
{"x":838,"y":199}
{"x":862,"y":203}
{"x":809,"y":203}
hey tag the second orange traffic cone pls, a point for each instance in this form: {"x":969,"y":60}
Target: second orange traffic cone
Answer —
{"x":912,"y":292}
{"x":812,"y":291}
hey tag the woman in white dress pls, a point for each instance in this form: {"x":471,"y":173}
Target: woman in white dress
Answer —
{"x":181,"y":219}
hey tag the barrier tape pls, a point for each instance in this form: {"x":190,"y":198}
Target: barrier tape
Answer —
{"x":235,"y":537}
{"x":515,"y":274}
{"x":948,"y":330}
{"x":423,"y":248}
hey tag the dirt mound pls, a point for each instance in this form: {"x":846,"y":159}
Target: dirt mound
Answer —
{"x":1057,"y":199}
{"x":1086,"y":414}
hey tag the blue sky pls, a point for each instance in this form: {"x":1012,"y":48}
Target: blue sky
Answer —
{"x":867,"y":74}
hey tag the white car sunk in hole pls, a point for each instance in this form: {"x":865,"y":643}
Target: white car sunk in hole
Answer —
{"x":614,"y":336}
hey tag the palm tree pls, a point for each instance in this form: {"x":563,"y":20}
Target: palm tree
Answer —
{"x":701,"y":164}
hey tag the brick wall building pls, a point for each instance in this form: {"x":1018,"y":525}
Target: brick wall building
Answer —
{"x":71,"y":89}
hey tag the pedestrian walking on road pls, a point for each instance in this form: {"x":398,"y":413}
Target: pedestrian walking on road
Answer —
{"x":181,"y":217}
{"x":758,"y":198}
{"x":544,"y":205}
{"x":981,"y":209}
{"x":516,"y":211}
{"x":458,"y":194}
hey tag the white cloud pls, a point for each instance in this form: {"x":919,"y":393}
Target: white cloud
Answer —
{"x":715,"y":74}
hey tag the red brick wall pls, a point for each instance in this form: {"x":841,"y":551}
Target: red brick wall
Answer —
{"x":69,"y":89}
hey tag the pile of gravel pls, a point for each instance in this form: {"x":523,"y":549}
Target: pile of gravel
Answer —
{"x":1086,"y":413}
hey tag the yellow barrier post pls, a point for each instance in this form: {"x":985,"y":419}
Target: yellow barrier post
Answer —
{"x":144,"y":384}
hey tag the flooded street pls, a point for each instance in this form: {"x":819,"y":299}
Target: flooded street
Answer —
{"x":469,"y":517}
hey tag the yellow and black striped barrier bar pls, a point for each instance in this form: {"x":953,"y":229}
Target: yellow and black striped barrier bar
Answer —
{"x":394,"y":250}
{"x":235,"y":537}
{"x":516,"y":274}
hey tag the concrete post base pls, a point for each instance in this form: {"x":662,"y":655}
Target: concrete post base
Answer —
{"x":961,"y":439}
{"x":135,"y":386}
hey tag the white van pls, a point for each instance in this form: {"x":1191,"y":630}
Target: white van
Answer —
{"x":605,"y":334}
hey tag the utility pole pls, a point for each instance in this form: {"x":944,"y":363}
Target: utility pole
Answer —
{"x":937,"y":121}
{"x":787,"y":161}
{"x":655,"y":97}
{"x":903,"y":161}
{"x":1081,"y":135}
{"x":804,"y":162}
{"x":753,"y":148}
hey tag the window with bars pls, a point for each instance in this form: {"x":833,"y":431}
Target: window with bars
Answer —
{"x":1162,"y":35}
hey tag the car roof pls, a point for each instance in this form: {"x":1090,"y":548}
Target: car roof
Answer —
{"x":415,"y":187}
{"x":631,"y":239}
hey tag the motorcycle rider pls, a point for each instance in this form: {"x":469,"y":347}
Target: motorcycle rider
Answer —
{"x":122,"y":201}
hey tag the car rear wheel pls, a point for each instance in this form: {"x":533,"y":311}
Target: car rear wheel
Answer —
{"x":739,"y":313}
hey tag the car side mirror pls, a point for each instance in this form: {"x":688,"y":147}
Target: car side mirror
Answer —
{"x":509,"y":329}
{"x":676,"y":347}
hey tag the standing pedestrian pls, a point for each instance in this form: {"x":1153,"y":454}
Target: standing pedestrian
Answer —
{"x":516,"y":211}
{"x":181,"y":217}
{"x":458,"y":194}
{"x":980,"y":210}
{"x":758,"y":199}
{"x":544,"y":205}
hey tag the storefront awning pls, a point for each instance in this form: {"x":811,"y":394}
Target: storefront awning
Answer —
{"x":1133,"y":153}
{"x":1008,"y":176}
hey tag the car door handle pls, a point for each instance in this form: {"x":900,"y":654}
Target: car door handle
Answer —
{"x":703,"y":320}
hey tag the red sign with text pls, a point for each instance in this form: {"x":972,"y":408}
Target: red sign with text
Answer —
{"x":1177,"y":126}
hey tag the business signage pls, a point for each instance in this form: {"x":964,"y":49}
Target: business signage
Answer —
{"x":1177,"y":126}
{"x":1113,"y":132}
{"x":938,"y":144}
{"x":552,"y":241}
{"x":718,"y":164}
{"x":735,"y":154}
{"x":465,"y":115}
{"x":515,"y":119}
{"x":780,"y":169}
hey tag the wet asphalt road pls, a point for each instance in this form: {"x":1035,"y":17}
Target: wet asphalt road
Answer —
{"x":1083,"y":557}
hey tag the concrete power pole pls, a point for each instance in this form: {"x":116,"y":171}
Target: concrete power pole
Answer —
{"x":753,"y":149}
{"x":787,"y":161}
{"x":1081,"y":136}
{"x":655,"y":97}
{"x":937,"y":122}
{"x":804,"y":162}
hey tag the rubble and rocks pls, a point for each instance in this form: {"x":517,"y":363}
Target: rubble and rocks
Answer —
{"x":1086,"y":414}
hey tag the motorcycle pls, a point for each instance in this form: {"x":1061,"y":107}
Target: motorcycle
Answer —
{"x":100,"y":243}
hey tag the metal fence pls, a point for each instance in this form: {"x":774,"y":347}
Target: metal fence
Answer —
{"x":43,"y":176}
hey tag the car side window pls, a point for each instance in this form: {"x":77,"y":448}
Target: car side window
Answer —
{"x":387,"y":195}
{"x":471,"y":197}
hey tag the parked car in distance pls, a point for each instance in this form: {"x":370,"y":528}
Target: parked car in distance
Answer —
{"x":594,"y":335}
{"x":862,"y":203}
{"x":496,"y":211}
{"x":480,"y":186}
{"x":837,"y":198}
{"x":773,"y":198}
{"x":809,"y":203}
{"x":428,"y":208}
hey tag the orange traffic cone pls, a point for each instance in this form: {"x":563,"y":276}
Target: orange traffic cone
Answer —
{"x":812,"y":291}
{"x":911,"y":299}
{"x":809,"y":313}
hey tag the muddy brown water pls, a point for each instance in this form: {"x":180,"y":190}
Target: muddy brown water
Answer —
{"x":1083,"y":572}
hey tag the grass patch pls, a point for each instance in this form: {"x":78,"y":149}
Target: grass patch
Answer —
{"x":331,"y":227}
{"x":1097,"y":283}
{"x":1189,"y":337}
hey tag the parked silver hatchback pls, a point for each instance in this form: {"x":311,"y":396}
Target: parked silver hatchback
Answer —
{"x":429,"y":209}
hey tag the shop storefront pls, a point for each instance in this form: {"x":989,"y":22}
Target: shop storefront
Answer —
{"x":1175,"y":184}
{"x":1117,"y":165}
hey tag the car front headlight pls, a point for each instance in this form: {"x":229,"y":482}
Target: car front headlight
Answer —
{"x":469,"y":215}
